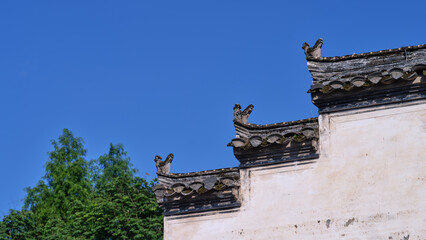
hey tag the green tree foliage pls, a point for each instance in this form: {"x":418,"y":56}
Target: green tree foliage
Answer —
{"x":80,"y":199}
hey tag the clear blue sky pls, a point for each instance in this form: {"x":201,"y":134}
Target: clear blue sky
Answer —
{"x":163,"y":76}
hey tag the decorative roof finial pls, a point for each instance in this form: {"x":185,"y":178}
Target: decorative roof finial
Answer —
{"x":315,"y":51}
{"x":163,"y":167}
{"x":243,"y":116}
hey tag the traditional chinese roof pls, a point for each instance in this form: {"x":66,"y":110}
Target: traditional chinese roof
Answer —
{"x":338,"y":83}
{"x":272,"y":143}
{"x":180,"y":193}
{"x":254,"y":135}
{"x":366,"y":79}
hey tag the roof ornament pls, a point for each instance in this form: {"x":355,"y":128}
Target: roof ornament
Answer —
{"x":242,"y":117}
{"x":315,"y":51}
{"x":163,"y":167}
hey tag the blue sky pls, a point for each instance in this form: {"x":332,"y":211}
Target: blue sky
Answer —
{"x":162,"y":76}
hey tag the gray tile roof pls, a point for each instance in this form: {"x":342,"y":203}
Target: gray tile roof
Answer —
{"x":256,"y":145}
{"x":364,"y":70}
{"x":180,"y":193}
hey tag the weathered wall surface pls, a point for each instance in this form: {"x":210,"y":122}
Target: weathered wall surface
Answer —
{"x":369,"y":183}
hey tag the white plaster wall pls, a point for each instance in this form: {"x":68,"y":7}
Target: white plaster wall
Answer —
{"x":369,"y":183}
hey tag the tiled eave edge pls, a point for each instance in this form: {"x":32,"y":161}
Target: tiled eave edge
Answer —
{"x":394,"y":75}
{"x":259,"y":145}
{"x":198,"y":191}
{"x":397,"y":92}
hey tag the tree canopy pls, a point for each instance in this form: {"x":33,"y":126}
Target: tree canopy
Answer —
{"x":81,"y":199}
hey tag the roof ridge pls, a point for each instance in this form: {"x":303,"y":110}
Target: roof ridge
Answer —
{"x":367,"y":54}
{"x":274,"y":125}
{"x":198,"y":173}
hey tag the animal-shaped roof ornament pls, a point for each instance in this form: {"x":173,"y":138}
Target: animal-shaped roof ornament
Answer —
{"x":163,"y":167}
{"x":315,"y":51}
{"x":242,"y":116}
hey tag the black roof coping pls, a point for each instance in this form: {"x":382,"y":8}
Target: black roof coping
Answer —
{"x":368,"y":54}
{"x":199,"y":173}
{"x":276,"y":125}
